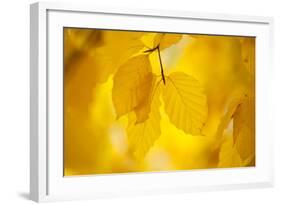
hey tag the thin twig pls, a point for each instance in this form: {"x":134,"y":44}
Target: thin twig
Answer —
{"x":161,"y":65}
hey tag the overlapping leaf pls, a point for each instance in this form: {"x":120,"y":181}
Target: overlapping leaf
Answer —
{"x":229,"y":156}
{"x":242,"y":112}
{"x":114,"y":53}
{"x":185,"y":102}
{"x":244,"y":128}
{"x":141,"y":136}
{"x":225,"y":120}
{"x":99,"y":50}
{"x":166,"y":40}
{"x":132,"y":85}
{"x":163,"y":40}
{"x":143,"y":108}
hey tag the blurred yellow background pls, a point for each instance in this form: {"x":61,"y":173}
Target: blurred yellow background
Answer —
{"x":96,"y":140}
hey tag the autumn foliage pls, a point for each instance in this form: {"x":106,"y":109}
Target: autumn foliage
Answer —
{"x":141,"y":101}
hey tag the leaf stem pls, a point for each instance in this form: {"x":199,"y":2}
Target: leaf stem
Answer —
{"x":161,"y":66}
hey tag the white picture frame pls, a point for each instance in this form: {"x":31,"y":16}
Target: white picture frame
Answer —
{"x":46,"y":176}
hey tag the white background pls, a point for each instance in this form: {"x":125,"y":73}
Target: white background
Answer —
{"x":14,"y":101}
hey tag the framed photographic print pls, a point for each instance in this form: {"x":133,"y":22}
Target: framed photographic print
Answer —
{"x":128,"y":102}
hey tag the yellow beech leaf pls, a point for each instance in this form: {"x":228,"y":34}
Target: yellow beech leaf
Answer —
{"x":141,"y":136}
{"x":152,"y":40}
{"x":114,"y":53}
{"x":244,"y":127}
{"x":185,"y":102}
{"x":131,"y":84}
{"x":142,"y":110}
{"x":226,"y":119}
{"x":229,"y":157}
{"x":99,"y":50}
{"x":168,"y":40}
{"x":242,"y":112}
{"x":149,"y":39}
